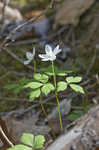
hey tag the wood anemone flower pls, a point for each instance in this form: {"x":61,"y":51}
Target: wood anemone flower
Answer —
{"x":30,"y":56}
{"x":50,"y":54}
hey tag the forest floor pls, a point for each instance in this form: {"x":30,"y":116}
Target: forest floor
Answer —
{"x":80,"y":44}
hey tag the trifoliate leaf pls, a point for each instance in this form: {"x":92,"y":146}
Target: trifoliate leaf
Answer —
{"x":73,"y":79}
{"x":47,"y":88}
{"x":20,"y":147}
{"x":61,"y":86}
{"x":39,"y":141}
{"x":27,"y":139}
{"x":34,"y":94}
{"x":41,"y":77}
{"x":33,"y":85}
{"x":77,"y":88}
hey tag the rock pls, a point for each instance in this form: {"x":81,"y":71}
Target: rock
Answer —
{"x":71,"y":10}
{"x":10,"y":13}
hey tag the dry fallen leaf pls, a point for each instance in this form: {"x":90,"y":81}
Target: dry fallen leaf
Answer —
{"x":25,"y":124}
{"x":35,"y":13}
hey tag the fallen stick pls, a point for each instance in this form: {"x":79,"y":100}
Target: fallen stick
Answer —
{"x":84,"y":136}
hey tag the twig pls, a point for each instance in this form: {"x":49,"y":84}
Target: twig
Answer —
{"x":51,"y":97}
{"x":7,"y":141}
{"x":23,"y":42}
{"x":52,"y":3}
{"x":14,"y":99}
{"x":17,"y":58}
{"x":50,"y":37}
{"x":92,"y":62}
{"x":21,"y":26}
{"x":3,"y":11}
{"x":3,"y":76}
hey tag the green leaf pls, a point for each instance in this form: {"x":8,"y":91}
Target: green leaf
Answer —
{"x":34,"y":94}
{"x":11,"y":86}
{"x":27,"y":139}
{"x":24,"y":80}
{"x":18,"y":90}
{"x":58,"y":71}
{"x":41,"y":77}
{"x":61,"y":73}
{"x":77,"y":88}
{"x":33,"y":85}
{"x":73,"y":117}
{"x":73,"y":79}
{"x":47,"y":70}
{"x":47,"y":88}
{"x":39,"y":141}
{"x":20,"y":147}
{"x":61,"y":86}
{"x":49,"y":73}
{"x":78,"y":112}
{"x":87,"y":107}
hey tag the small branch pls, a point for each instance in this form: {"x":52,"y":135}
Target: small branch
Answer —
{"x":21,"y":26}
{"x":52,"y":3}
{"x":92,"y":63}
{"x":17,"y":58}
{"x":5,"y":137}
{"x":3,"y":11}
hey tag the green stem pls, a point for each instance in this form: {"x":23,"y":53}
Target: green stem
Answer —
{"x":43,"y":110}
{"x":34,"y":65}
{"x":56,"y":94}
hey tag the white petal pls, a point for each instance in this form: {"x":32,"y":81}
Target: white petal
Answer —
{"x":45,"y":59}
{"x":43,"y":56}
{"x":48,"y":50}
{"x":27,"y":62}
{"x":29,"y":55}
{"x":52,"y":58}
{"x":57,"y":50}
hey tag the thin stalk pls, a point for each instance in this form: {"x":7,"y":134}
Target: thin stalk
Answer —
{"x":56,"y":94}
{"x":43,"y":110}
{"x":34,"y":66}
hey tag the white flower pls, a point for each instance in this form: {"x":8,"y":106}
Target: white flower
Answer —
{"x":50,"y":54}
{"x":30,"y":57}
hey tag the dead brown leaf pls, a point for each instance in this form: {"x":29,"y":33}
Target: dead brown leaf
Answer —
{"x":26,"y":124}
